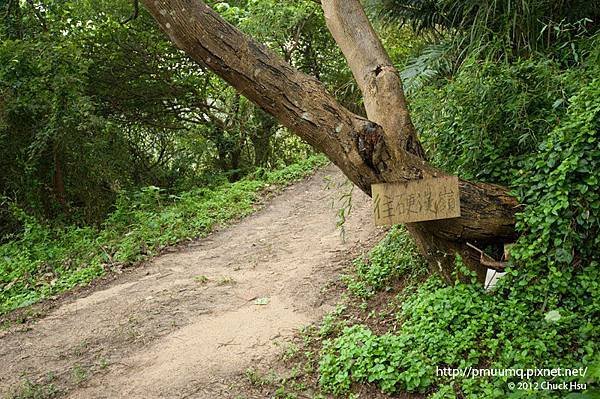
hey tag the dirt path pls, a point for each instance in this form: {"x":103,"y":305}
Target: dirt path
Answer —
{"x":188,"y":323}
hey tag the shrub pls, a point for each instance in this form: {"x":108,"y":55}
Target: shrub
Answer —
{"x":394,"y":257}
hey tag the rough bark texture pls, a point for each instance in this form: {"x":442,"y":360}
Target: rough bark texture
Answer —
{"x":384,"y":149}
{"x":375,"y":74}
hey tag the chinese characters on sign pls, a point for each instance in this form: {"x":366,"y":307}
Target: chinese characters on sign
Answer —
{"x":416,"y":201}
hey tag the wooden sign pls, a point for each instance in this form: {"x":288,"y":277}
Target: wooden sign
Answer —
{"x":416,"y":201}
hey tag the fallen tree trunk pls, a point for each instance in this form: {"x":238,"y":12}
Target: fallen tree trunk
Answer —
{"x":383,"y":149}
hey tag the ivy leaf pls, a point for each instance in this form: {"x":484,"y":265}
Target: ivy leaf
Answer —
{"x":552,"y":316}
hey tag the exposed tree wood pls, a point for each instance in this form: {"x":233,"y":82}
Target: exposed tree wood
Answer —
{"x":488,"y":261}
{"x":367,"y":151}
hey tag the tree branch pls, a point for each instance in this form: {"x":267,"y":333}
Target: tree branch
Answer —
{"x":375,"y":74}
{"x":362,"y":149}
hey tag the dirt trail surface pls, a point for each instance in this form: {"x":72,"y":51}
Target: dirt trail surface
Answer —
{"x":188,"y":323}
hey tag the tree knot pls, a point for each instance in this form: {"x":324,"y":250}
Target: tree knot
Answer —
{"x":371,"y":145}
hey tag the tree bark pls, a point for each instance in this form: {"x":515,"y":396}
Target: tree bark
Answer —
{"x":375,"y":74}
{"x":386,"y":105}
{"x":384,"y":149}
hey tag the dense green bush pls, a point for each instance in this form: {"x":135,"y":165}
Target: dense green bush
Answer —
{"x":394,"y":257}
{"x":90,"y":106}
{"x":49,"y":124}
{"x":484,"y":122}
{"x":503,"y":29}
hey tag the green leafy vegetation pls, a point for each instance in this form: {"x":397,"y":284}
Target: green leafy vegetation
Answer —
{"x":30,"y":390}
{"x":386,"y":263}
{"x":47,"y":260}
{"x":116,"y":145}
{"x":503,"y":29}
{"x":495,"y":115}
{"x":91,"y":107}
{"x":531,"y":123}
{"x":543,"y":313}
{"x":463,"y":326}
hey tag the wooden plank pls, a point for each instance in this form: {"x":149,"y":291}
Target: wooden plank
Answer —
{"x":416,"y":201}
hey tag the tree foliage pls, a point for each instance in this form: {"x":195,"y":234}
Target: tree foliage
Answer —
{"x":503,"y":27}
{"x":92,"y":106}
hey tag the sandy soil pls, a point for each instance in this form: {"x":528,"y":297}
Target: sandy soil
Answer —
{"x":189,"y":323}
